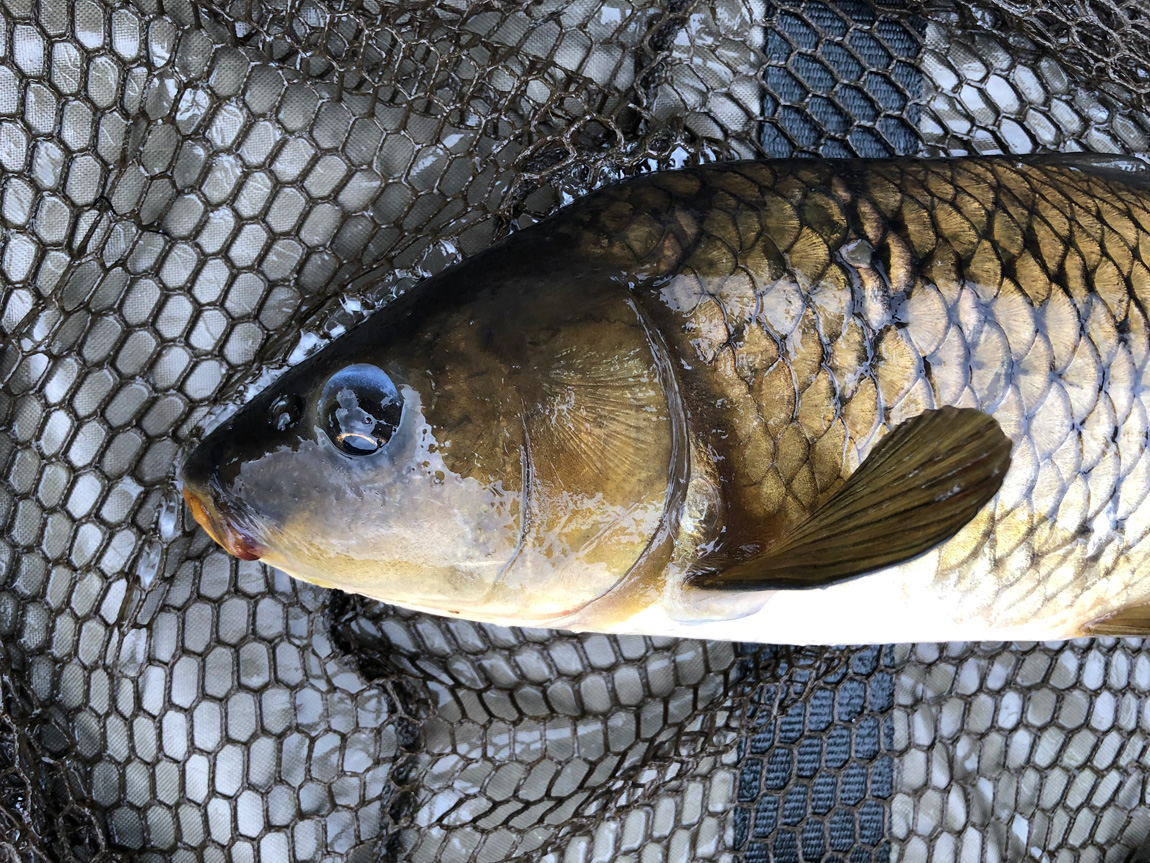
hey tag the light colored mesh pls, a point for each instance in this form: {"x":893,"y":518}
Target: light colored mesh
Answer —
{"x":1022,"y":752}
{"x":193,"y":195}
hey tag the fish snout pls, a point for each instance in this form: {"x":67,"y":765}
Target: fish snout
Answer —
{"x":221,"y":526}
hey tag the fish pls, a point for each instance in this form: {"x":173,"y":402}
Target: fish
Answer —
{"x":807,"y":401}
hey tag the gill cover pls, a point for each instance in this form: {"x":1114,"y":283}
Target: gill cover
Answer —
{"x":605,"y":451}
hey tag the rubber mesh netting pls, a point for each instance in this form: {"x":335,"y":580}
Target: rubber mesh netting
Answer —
{"x":194,"y":195}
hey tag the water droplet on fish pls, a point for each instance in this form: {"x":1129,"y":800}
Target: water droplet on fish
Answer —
{"x":149,"y":563}
{"x":133,"y":652}
{"x":858,"y":253}
{"x":168,"y":517}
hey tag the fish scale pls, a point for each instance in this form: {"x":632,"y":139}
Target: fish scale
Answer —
{"x":820,"y":304}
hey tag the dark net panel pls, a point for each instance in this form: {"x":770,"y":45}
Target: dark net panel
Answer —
{"x":815,"y":773}
{"x":816,"y":776}
{"x":187,"y":191}
{"x":842,"y":80}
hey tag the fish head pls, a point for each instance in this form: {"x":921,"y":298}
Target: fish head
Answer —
{"x":488,"y":445}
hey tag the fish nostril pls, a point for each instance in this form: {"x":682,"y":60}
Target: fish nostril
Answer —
{"x":285,"y":412}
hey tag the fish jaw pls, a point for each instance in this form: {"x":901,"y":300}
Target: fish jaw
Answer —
{"x":230,"y":535}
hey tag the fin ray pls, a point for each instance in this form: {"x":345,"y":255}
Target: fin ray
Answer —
{"x":1126,"y":622}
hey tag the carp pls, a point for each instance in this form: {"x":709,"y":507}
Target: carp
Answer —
{"x":806,"y":401}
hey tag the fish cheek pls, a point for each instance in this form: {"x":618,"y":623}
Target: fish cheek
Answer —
{"x":291,"y":489}
{"x":476,"y":424}
{"x":397,"y":525}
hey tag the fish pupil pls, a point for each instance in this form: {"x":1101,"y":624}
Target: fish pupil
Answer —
{"x":360,"y":409}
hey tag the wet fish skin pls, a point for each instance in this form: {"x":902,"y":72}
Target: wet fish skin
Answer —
{"x":807,"y":309}
{"x":820,"y":304}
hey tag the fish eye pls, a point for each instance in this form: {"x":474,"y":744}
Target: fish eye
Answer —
{"x":285,"y":412}
{"x":360,"y":409}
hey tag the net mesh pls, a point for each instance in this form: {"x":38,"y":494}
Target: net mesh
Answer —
{"x":194,"y":195}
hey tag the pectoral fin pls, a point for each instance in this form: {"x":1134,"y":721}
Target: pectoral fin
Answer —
{"x":916,"y":489}
{"x":1133,"y":620}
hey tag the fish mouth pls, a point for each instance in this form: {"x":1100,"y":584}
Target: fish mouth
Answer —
{"x":221,"y":527}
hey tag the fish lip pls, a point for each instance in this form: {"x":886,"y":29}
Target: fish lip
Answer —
{"x":221,"y":525}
